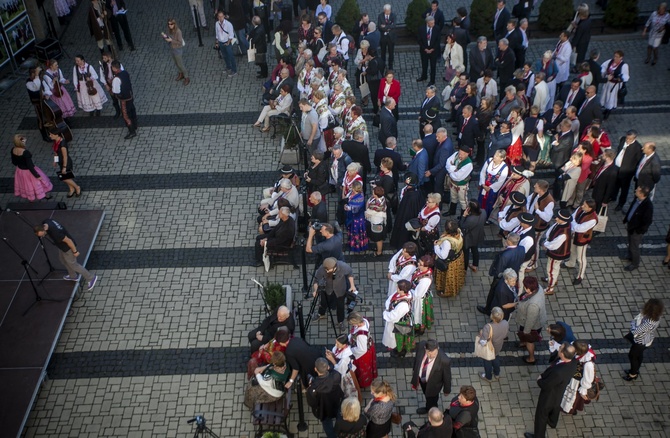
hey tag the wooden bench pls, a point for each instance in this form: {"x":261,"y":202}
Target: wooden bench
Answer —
{"x":273,"y":417}
{"x":283,"y":256}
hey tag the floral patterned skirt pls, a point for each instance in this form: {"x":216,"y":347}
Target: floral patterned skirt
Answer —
{"x":449,"y":283}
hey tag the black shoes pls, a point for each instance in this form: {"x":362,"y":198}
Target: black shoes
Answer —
{"x":482,"y":310}
{"x":130,"y":135}
{"x":116,"y":115}
{"x":630,"y":268}
{"x":577,"y":281}
{"x":421,"y":411}
{"x":629,"y":378}
{"x":421,"y":79}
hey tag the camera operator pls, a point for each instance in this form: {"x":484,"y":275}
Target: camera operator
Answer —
{"x":330,"y":246}
{"x":332,"y":281}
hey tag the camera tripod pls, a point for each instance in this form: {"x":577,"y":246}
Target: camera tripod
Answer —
{"x":201,"y":427}
{"x":44,"y":250}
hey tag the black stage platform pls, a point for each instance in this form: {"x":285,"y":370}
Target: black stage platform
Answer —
{"x":28,"y":335}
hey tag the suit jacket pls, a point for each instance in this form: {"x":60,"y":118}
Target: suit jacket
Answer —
{"x":605,"y":185}
{"x":631,"y":158}
{"x":597,"y":76}
{"x":553,"y":382}
{"x":419,"y":165}
{"x":548,"y":124}
{"x":578,"y":99}
{"x":500,"y":26}
{"x":440,"y":376}
{"x":258,"y":39}
{"x":387,"y":29}
{"x":434,"y":42}
{"x":499,"y":141}
{"x":439,"y":169}
{"x":324,"y":395}
{"x":388,"y":126}
{"x":374,"y":38}
{"x":439,"y":18}
{"x":507,"y":258}
{"x":271,"y":324}
{"x":301,"y":356}
{"x":430,"y":112}
{"x":463,"y":39}
{"x":642,"y":218}
{"x":589,"y":112}
{"x":282,"y":235}
{"x":515,"y":39}
{"x":430,"y":145}
{"x":398,"y":165}
{"x":467,"y":135}
{"x":320,"y":212}
{"x":479,"y":64}
{"x":274,"y":93}
{"x":560,"y":153}
{"x":441,"y":431}
{"x":358,"y":153}
{"x":505,"y":62}
{"x":650,"y":174}
{"x":327,"y":31}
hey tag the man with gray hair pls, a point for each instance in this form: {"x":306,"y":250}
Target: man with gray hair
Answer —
{"x":510,"y":257}
{"x":388,"y":126}
{"x":437,"y":426}
{"x":430,"y":110}
{"x":279,"y":238}
{"x":504,"y":62}
{"x":265,"y":332}
{"x":390,"y":152}
{"x":481,"y":59}
{"x":324,"y":395}
{"x":429,"y":46}
{"x":387,"y":23}
{"x":373,"y":37}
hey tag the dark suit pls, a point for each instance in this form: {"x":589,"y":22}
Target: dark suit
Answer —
{"x":498,"y":141}
{"x":387,"y":42}
{"x":505,"y":61}
{"x":324,"y":395}
{"x":462,"y":37}
{"x":425,"y":43}
{"x":650,"y":174}
{"x":327,"y":31}
{"x":597,"y":76}
{"x":439,"y":379}
{"x":548,"y":124}
{"x":430,"y":431}
{"x":581,"y":39}
{"x":258,"y":39}
{"x":388,"y":126}
{"x":515,"y":39}
{"x":577,"y":101}
{"x":268,"y":328}
{"x":280,"y":237}
{"x":468,"y":132}
{"x":560,"y":153}
{"x":301,"y":356}
{"x":319,"y":213}
{"x":439,"y":171}
{"x":439,"y":18}
{"x":631,"y":158}
{"x":589,"y":112}
{"x":398,"y":165}
{"x":273,"y":93}
{"x":374,"y":38}
{"x":552,"y":383}
{"x":507,"y":258}
{"x":430,"y":144}
{"x":637,"y":225}
{"x":605,"y":186}
{"x":429,"y":113}
{"x":500,"y":26}
{"x":479,"y":63}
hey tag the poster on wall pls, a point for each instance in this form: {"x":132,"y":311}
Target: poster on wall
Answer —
{"x":4,"y":55}
{"x":10,"y":10}
{"x":19,"y":34}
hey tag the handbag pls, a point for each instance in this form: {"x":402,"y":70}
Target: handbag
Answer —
{"x":251,"y":54}
{"x":322,"y":53}
{"x":364,"y":89}
{"x":65,"y":176}
{"x":396,"y":416}
{"x":486,"y":351}
{"x":601,"y":225}
{"x":593,"y":393}
{"x":332,"y":122}
{"x":441,"y":264}
{"x":623,"y":91}
{"x":403,"y":329}
{"x":376,"y":120}
{"x":449,"y":74}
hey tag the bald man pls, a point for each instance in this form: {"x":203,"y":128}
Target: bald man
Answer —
{"x":266,"y":331}
{"x":437,"y":426}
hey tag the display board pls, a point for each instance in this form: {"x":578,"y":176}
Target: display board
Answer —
{"x":4,"y":55}
{"x":10,"y":10}
{"x":19,"y":34}
{"x":16,"y":31}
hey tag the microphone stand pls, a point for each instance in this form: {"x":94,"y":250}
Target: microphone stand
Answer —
{"x":44,"y":249}
{"x":25,"y":265}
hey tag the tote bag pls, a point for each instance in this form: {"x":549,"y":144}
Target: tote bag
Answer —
{"x":602,"y":220}
{"x":485,"y":351}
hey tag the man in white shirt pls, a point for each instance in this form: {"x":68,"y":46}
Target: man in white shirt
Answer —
{"x":562,"y":57}
{"x":225,"y":33}
{"x":459,"y":168}
{"x":583,"y":221}
{"x":541,"y":99}
{"x":341,"y":40}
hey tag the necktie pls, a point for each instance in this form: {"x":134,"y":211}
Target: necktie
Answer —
{"x":495,"y":20}
{"x":570,"y":97}
{"x":643,"y":161}
{"x":428,"y":36}
{"x":387,"y":19}
{"x":483,"y":93}
{"x":424,"y":370}
{"x":465,"y":122}
{"x":583,"y":105}
{"x":558,"y":46}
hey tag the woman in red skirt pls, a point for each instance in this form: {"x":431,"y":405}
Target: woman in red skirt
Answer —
{"x":363,"y":349}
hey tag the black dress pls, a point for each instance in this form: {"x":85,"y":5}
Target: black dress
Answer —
{"x":68,"y":166}
{"x":411,"y":204}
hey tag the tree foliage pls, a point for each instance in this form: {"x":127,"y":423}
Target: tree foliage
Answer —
{"x":481,"y":17}
{"x":413,"y":17}
{"x":555,"y":15}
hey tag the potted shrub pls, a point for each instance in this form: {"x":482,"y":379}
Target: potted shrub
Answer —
{"x":621,"y":13}
{"x":555,"y":15}
{"x":277,"y":295}
{"x":348,"y":15}
{"x":481,"y":17}
{"x":273,"y":435}
{"x":413,"y":17}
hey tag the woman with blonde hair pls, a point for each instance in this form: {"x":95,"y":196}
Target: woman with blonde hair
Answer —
{"x":449,"y":272}
{"x":176,"y":43}
{"x":29,"y":180}
{"x":380,"y":409}
{"x":363,"y":348}
{"x":351,"y":423}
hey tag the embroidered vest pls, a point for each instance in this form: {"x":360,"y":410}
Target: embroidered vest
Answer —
{"x":581,"y":239}
{"x":563,"y":252}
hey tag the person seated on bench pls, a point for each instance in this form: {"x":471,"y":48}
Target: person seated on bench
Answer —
{"x":270,"y":222}
{"x":268,"y":383}
{"x":279,"y":238}
{"x":265,"y":332}
{"x":268,"y":206}
{"x":282,"y":105}
{"x":287,"y":172}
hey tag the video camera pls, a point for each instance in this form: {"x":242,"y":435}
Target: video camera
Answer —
{"x":199,"y":420}
{"x":317,"y":225}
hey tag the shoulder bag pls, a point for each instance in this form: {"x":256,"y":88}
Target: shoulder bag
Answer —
{"x":593,"y":393}
{"x":601,"y":225}
{"x":486,"y":351}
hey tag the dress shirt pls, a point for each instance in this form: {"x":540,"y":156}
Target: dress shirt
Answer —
{"x":643,"y":161}
{"x":619,"y":158}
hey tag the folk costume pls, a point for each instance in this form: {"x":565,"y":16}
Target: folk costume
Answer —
{"x":53,"y":85}
{"x":107,"y":75}
{"x":542,"y":206}
{"x":398,"y":311}
{"x":355,"y":222}
{"x":430,"y":228}
{"x":123,"y":90}
{"x":580,"y":383}
{"x":365,"y":356}
{"x":457,"y":182}
{"x":400,"y":268}
{"x":422,"y":300}
{"x":582,"y":226}
{"x":558,"y":249}
{"x":610,"y":94}
{"x":87,"y":101}
{"x":34,"y":87}
{"x":494,"y":177}
{"x":448,"y":283}
{"x":510,"y":186}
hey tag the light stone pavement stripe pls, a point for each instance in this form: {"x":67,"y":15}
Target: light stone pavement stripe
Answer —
{"x":154,"y":308}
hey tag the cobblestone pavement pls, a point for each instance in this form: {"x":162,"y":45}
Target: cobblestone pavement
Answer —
{"x":162,"y":337}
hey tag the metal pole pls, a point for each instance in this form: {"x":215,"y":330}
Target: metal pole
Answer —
{"x":197,"y":26}
{"x":301,"y":320}
{"x":302,"y":425}
{"x":305,"y":285}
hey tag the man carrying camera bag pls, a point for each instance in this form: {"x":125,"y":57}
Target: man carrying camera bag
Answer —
{"x":332,"y":281}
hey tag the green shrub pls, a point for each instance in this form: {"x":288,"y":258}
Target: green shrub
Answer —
{"x":621,"y":13}
{"x":555,"y":15}
{"x":348,"y":15}
{"x":275,"y":295}
{"x":413,"y":18}
{"x":481,"y":17}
